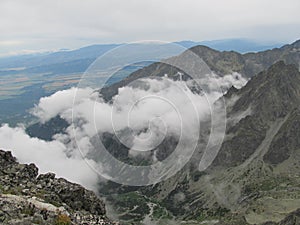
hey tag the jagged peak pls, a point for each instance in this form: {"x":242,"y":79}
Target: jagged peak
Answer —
{"x":271,"y":93}
{"x":281,"y":64}
{"x":276,"y":71}
{"x":231,"y":91}
{"x":296,"y":44}
{"x":199,"y":48}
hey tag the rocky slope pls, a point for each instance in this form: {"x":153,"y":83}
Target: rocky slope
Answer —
{"x":256,"y":173}
{"x":255,"y":178}
{"x":270,"y":100}
{"x":29,"y":198}
{"x":248,"y":64}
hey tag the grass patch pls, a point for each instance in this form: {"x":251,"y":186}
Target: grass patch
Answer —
{"x":63,"y":219}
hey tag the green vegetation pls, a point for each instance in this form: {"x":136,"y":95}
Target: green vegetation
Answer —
{"x":132,"y":206}
{"x":268,"y":184}
{"x":160,"y":213}
{"x":130,"y":200}
{"x":29,"y":211}
{"x":12,"y":190}
{"x":210,"y":214}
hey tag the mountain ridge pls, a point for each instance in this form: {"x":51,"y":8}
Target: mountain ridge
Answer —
{"x":220,"y":62}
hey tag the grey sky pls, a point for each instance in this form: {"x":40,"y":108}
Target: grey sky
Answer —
{"x":30,"y":25}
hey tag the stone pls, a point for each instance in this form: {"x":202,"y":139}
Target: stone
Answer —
{"x":29,"y":198}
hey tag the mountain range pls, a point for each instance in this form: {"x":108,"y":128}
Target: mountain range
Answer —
{"x":25,"y":79}
{"x":254,"y":179}
{"x":90,"y":53}
{"x":255,"y":176}
{"x":222,"y":63}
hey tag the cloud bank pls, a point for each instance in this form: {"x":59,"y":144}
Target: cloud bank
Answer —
{"x":141,"y":116}
{"x":48,"y":156}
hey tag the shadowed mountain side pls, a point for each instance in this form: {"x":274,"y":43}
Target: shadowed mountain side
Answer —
{"x":267,"y":98}
{"x":255,"y":177}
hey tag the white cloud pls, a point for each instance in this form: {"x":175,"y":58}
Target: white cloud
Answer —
{"x":48,"y":156}
{"x":10,"y":43}
{"x":151,"y":108}
{"x":49,"y":107}
{"x":215,"y":82}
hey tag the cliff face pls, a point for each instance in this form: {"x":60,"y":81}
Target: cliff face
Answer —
{"x":29,"y":198}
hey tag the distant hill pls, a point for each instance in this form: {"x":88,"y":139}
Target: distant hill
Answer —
{"x":90,"y":53}
{"x":37,"y":60}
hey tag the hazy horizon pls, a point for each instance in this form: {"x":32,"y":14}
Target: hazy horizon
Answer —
{"x":28,"y":27}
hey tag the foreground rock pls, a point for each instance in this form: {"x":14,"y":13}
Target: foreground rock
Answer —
{"x":29,"y":198}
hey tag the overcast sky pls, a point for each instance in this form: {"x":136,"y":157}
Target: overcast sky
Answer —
{"x":35,"y":25}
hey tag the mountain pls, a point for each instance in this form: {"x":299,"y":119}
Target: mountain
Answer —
{"x":222,"y":63}
{"x":272,"y":99}
{"x":238,"y":45}
{"x":29,"y":198}
{"x":248,"y":64}
{"x":255,"y":178}
{"x":90,"y":53}
{"x":37,"y":60}
{"x":38,"y":75}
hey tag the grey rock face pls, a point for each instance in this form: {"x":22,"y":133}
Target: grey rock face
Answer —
{"x":292,"y":219}
{"x":271,"y":95}
{"x":26,"y":198}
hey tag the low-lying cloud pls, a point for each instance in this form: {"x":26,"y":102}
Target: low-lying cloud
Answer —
{"x":141,"y":115}
{"x":48,"y":156}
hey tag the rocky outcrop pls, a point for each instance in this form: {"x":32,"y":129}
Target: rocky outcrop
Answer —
{"x":292,"y":219}
{"x":286,"y":142}
{"x":29,"y":198}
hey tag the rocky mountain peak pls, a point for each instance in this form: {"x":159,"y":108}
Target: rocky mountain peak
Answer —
{"x":256,"y":109}
{"x":296,"y":44}
{"x":220,"y":62}
{"x":271,"y":93}
{"x":29,"y":198}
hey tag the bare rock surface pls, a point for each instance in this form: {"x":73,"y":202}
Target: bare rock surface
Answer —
{"x":29,"y":198}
